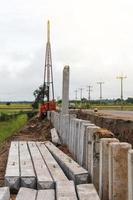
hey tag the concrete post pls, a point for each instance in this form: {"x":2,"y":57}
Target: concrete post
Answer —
{"x":93,"y":154}
{"x":118,"y":171}
{"x":104,"y":172}
{"x":130,"y":175}
{"x":65,"y":90}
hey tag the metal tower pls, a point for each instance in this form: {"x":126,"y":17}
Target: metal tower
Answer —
{"x":48,"y":71}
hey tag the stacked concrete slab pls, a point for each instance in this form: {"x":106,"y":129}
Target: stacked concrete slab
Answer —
{"x":31,"y":165}
{"x":54,"y":168}
{"x":12,"y":175}
{"x":27,"y":174}
{"x":73,"y":170}
{"x":87,"y":192}
{"x":4,"y":193}
{"x":44,"y":179}
{"x":27,"y":194}
{"x":65,"y":190}
{"x":46,"y":194}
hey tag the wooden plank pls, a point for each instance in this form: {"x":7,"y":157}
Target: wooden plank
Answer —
{"x":54,"y":136}
{"x":4,"y":193}
{"x":87,"y":192}
{"x":44,"y":179}
{"x":28,"y":178}
{"x":26,"y":194}
{"x":65,"y":191}
{"x":54,"y":168}
{"x":46,"y":195}
{"x":73,"y":169}
{"x":12,"y":175}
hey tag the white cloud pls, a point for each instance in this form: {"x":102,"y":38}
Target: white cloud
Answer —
{"x":93,"y":37}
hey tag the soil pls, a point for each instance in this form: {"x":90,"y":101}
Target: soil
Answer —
{"x":35,"y":130}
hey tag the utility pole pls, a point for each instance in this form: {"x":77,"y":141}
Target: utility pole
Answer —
{"x":121,"y":80}
{"x":89,"y":92}
{"x":76,"y":94}
{"x":81,"y":92}
{"x":100,"y":85}
{"x":76,"y":97}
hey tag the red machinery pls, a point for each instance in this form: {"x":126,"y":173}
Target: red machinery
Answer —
{"x":48,"y":106}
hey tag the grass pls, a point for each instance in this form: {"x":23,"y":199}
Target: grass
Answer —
{"x":112,"y":107}
{"x":126,"y":107}
{"x":9,"y":128}
{"x":15,"y":108}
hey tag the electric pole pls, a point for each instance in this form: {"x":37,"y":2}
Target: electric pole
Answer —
{"x":81,"y":92}
{"x":121,"y":81}
{"x":76,"y":94}
{"x":100,"y":85}
{"x":89,"y":92}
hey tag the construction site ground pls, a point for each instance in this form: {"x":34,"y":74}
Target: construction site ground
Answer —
{"x":35,"y":130}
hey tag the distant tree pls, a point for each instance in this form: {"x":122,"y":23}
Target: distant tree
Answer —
{"x":129,"y":100}
{"x":84,"y":99}
{"x":8,"y":103}
{"x":118,"y":101}
{"x":59,"y":101}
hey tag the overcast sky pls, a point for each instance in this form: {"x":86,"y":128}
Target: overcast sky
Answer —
{"x":93,"y":37}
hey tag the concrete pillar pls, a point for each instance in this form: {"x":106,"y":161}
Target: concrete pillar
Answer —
{"x":65,"y":90}
{"x":118,"y":171}
{"x":130,"y":175}
{"x":104,"y":172}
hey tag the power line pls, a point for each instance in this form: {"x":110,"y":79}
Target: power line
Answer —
{"x":121,"y":80}
{"x":81,"y":93}
{"x":89,"y":92}
{"x":76,"y":94}
{"x":100,"y":85}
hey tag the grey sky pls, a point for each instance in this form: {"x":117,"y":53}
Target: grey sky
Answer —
{"x":94,"y":37}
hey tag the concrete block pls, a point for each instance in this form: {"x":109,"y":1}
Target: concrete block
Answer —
{"x":118,"y":171}
{"x":73,"y":170}
{"x":44,"y":179}
{"x":93,"y":154}
{"x":26,"y":194}
{"x":65,"y":90}
{"x":130,"y":175}
{"x":104,"y":167}
{"x":65,"y":191}
{"x":48,"y":115}
{"x":90,"y":131}
{"x":4,"y":193}
{"x":67,"y":128}
{"x":46,"y":195}
{"x":84,"y":143}
{"x":87,"y":192}
{"x":55,"y":170}
{"x":54,"y":136}
{"x":28,"y":178}
{"x":12,"y":175}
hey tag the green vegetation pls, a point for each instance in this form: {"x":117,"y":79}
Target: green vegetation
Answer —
{"x":15,"y":108}
{"x":105,"y":104}
{"x":10,"y":127}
